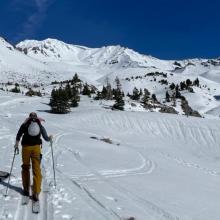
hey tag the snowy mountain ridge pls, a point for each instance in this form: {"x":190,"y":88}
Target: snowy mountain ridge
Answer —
{"x":58,"y":57}
{"x":43,"y":62}
{"x":54,"y":50}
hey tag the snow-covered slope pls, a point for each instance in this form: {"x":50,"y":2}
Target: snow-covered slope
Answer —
{"x":158,"y":167}
{"x":14,"y":65}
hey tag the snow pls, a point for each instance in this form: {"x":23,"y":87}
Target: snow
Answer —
{"x":112,"y":164}
{"x":43,"y":62}
{"x":159,"y":166}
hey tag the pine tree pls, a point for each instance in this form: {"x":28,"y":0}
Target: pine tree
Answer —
{"x":146,"y":96}
{"x":86,"y":90}
{"x":109,"y":91}
{"x":135,"y":95}
{"x":167,"y":96}
{"x":154,"y":98}
{"x":104,"y":92}
{"x":188,"y":83}
{"x":118,"y":96}
{"x":93,"y":89}
{"x":113,"y":92}
{"x":68,"y":91}
{"x":178,"y":94}
{"x":196,"y":82}
{"x":75,"y":79}
{"x":119,"y":102}
{"x":75,"y":98}
{"x":141,"y":92}
{"x":59,"y":101}
{"x":172,"y":86}
{"x":118,"y":83}
{"x":182,"y":85}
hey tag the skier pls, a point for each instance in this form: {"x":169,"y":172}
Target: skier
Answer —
{"x":31,"y":131}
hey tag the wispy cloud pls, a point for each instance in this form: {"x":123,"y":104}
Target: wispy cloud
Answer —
{"x":34,"y":21}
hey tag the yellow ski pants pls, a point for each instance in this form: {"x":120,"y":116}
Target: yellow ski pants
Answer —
{"x":31,"y":154}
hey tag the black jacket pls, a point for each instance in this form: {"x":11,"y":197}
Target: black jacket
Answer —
{"x":28,"y":140}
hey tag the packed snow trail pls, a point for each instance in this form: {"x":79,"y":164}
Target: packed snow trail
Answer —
{"x":24,"y":212}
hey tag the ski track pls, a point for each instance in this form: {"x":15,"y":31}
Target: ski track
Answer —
{"x":146,"y":167}
{"x":192,"y":165}
{"x":84,"y":193}
{"x":90,"y":199}
{"x":132,"y":197}
{"x":24,"y":212}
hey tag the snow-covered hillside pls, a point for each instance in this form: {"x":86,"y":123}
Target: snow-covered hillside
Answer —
{"x":16,"y":66}
{"x":45,"y":61}
{"x":115,"y":165}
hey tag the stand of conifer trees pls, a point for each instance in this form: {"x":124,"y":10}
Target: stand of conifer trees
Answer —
{"x":64,"y":98}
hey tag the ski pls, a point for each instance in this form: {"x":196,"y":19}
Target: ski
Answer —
{"x":25,"y":200}
{"x":35,"y":207}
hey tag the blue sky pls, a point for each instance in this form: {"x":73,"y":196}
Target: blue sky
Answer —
{"x":167,"y":29}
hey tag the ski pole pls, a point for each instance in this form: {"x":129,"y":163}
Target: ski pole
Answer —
{"x":54,"y":174}
{"x":16,"y":151}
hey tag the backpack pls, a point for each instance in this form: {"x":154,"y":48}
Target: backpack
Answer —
{"x":33,"y":129}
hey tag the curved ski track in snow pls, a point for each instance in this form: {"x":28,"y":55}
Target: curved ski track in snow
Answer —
{"x":140,"y":202}
{"x":143,"y":205}
{"x":146,"y":167}
{"x":83,"y":192}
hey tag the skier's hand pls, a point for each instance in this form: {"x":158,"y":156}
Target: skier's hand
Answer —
{"x":16,"y":145}
{"x":51,"y":138}
{"x":16,"y":149}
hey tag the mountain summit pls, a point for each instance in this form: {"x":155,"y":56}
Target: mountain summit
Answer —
{"x":108,"y":56}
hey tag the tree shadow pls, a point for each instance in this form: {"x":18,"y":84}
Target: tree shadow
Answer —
{"x":15,"y":188}
{"x":47,"y":111}
{"x":45,"y":103}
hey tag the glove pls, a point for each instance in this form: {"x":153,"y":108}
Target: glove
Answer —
{"x":51,"y":138}
{"x":16,"y":149}
{"x":16,"y":145}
